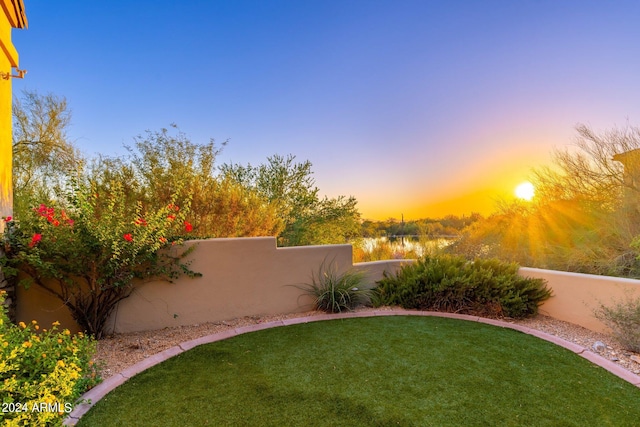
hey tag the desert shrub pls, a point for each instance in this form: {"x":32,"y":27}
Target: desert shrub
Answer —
{"x":623,"y":317}
{"x":87,"y":250}
{"x":335,"y":292}
{"x":42,"y":372}
{"x":453,"y":284}
{"x":289,"y":186}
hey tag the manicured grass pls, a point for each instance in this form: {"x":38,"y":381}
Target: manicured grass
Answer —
{"x":379,"y":371}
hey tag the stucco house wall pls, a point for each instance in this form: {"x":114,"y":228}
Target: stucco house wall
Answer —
{"x":11,"y":16}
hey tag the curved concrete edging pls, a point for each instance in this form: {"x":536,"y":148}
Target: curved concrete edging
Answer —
{"x":102,"y":389}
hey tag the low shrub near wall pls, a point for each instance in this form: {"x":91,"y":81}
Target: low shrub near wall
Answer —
{"x":623,"y":317}
{"x":453,"y":284}
{"x":42,"y":372}
{"x":334,"y":292}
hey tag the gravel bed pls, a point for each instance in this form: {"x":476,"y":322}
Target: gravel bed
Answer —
{"x":118,"y":352}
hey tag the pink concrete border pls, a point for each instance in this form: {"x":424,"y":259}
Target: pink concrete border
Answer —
{"x":105,"y":387}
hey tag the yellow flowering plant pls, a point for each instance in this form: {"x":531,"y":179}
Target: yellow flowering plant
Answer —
{"x":42,"y":371}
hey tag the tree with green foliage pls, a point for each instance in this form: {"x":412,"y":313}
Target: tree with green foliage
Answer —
{"x":167,"y":161}
{"x":330,"y":221}
{"x":42,"y":154}
{"x":307,"y":218}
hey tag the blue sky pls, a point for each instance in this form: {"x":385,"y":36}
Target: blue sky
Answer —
{"x":415,"y":107}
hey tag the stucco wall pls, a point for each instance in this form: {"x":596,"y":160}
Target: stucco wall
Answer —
{"x":374,"y":270}
{"x":576,"y":296}
{"x":241,"y":277}
{"x":252,"y":277}
{"x":11,"y":16}
{"x":8,"y":58}
{"x":37,"y":304}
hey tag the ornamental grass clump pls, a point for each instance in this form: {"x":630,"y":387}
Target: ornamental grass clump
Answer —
{"x":87,"y":249}
{"x":42,"y":371}
{"x":453,"y":284}
{"x":335,"y":292}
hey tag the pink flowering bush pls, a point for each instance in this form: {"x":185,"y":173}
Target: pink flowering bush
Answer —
{"x":88,"y":248}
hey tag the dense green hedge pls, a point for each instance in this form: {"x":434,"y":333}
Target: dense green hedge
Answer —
{"x":453,"y":284}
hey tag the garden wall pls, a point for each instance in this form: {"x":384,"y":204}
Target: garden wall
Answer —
{"x":576,"y":296}
{"x":241,"y":277}
{"x":253,"y":277}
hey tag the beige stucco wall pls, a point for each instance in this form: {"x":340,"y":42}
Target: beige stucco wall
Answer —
{"x":374,"y":270}
{"x":576,"y":296}
{"x":241,"y":277}
{"x":37,"y":304}
{"x":252,"y":277}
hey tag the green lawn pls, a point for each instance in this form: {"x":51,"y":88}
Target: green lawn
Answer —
{"x":378,"y":371}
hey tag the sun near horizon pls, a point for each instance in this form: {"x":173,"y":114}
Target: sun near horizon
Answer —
{"x":483,"y":201}
{"x":525,"y":191}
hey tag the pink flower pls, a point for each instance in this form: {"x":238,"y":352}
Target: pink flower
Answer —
{"x":7,"y":219}
{"x":128,"y":237}
{"x":35,"y":239}
{"x":44,"y":211}
{"x":188,"y":227}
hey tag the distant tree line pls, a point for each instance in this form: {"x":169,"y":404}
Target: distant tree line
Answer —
{"x":450,"y":225}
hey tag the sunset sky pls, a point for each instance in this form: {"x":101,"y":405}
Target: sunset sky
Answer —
{"x":416,"y":107}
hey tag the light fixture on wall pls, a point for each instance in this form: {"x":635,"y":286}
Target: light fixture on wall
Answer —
{"x":7,"y":76}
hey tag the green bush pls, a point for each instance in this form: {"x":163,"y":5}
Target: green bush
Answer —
{"x":623,"y":317}
{"x":334,"y":292}
{"x":453,"y":284}
{"x":42,"y":372}
{"x":88,"y":248}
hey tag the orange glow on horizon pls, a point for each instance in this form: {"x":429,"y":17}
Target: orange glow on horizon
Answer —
{"x":476,"y":187}
{"x":482,"y":199}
